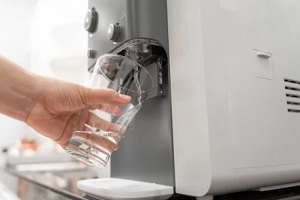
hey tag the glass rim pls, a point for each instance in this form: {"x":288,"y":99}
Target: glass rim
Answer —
{"x":124,"y":57}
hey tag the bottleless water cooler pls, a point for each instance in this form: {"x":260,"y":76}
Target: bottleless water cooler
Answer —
{"x":225,"y":116}
{"x":235,"y":80}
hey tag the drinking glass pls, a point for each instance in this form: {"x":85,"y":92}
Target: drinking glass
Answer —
{"x":89,"y":142}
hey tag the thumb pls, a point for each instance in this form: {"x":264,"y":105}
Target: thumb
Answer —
{"x":104,"y":96}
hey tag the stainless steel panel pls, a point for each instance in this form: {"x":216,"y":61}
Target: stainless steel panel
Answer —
{"x":146,"y":154}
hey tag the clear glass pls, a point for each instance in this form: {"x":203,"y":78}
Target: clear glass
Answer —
{"x":89,"y":143}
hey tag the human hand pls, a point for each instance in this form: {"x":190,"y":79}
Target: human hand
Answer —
{"x":57,"y":108}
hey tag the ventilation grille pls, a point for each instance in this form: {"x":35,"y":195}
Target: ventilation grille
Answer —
{"x":292,"y":89}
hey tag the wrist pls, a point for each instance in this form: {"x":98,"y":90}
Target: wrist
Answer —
{"x":19,"y":90}
{"x":32,"y":90}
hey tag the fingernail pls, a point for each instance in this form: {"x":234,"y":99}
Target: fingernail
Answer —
{"x":116,"y":111}
{"x":124,"y":97}
{"x":115,"y":128}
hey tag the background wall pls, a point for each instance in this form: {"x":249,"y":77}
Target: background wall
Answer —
{"x":58,"y":39}
{"x":47,"y":37}
{"x":15,"y":20}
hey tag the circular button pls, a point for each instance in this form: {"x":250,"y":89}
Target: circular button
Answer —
{"x":113,"y":32}
{"x":90,"y":21}
{"x":91,"y":53}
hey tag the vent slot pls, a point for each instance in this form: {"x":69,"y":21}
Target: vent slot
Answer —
{"x":292,"y":89}
{"x":292,"y":95}
{"x":294,"y":110}
{"x":291,"y":81}
{"x":293,"y":103}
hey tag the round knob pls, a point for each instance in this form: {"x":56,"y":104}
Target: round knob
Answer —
{"x":91,"y":53}
{"x":113,"y":32}
{"x":90,"y":22}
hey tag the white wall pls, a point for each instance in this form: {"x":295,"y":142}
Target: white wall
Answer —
{"x":47,"y":37}
{"x":15,"y":20}
{"x":59,"y":40}
{"x":44,"y":36}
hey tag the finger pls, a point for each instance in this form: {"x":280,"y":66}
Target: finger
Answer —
{"x":104,"y":96}
{"x":93,"y":120}
{"x":110,"y":129}
{"x":97,"y":141}
{"x":113,"y":110}
{"x":69,"y":128}
{"x":77,"y":121}
{"x":103,"y":130}
{"x":123,"y":134}
{"x":104,"y":142}
{"x":98,"y":123}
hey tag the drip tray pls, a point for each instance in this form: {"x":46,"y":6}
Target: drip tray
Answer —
{"x":113,"y":188}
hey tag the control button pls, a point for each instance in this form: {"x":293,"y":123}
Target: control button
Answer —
{"x":90,"y":21}
{"x":113,"y":32}
{"x":91,"y":53}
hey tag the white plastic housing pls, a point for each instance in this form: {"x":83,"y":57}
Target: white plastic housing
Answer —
{"x":117,"y":189}
{"x":230,"y":63}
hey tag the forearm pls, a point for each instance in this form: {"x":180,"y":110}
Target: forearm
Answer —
{"x":18,"y":90}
